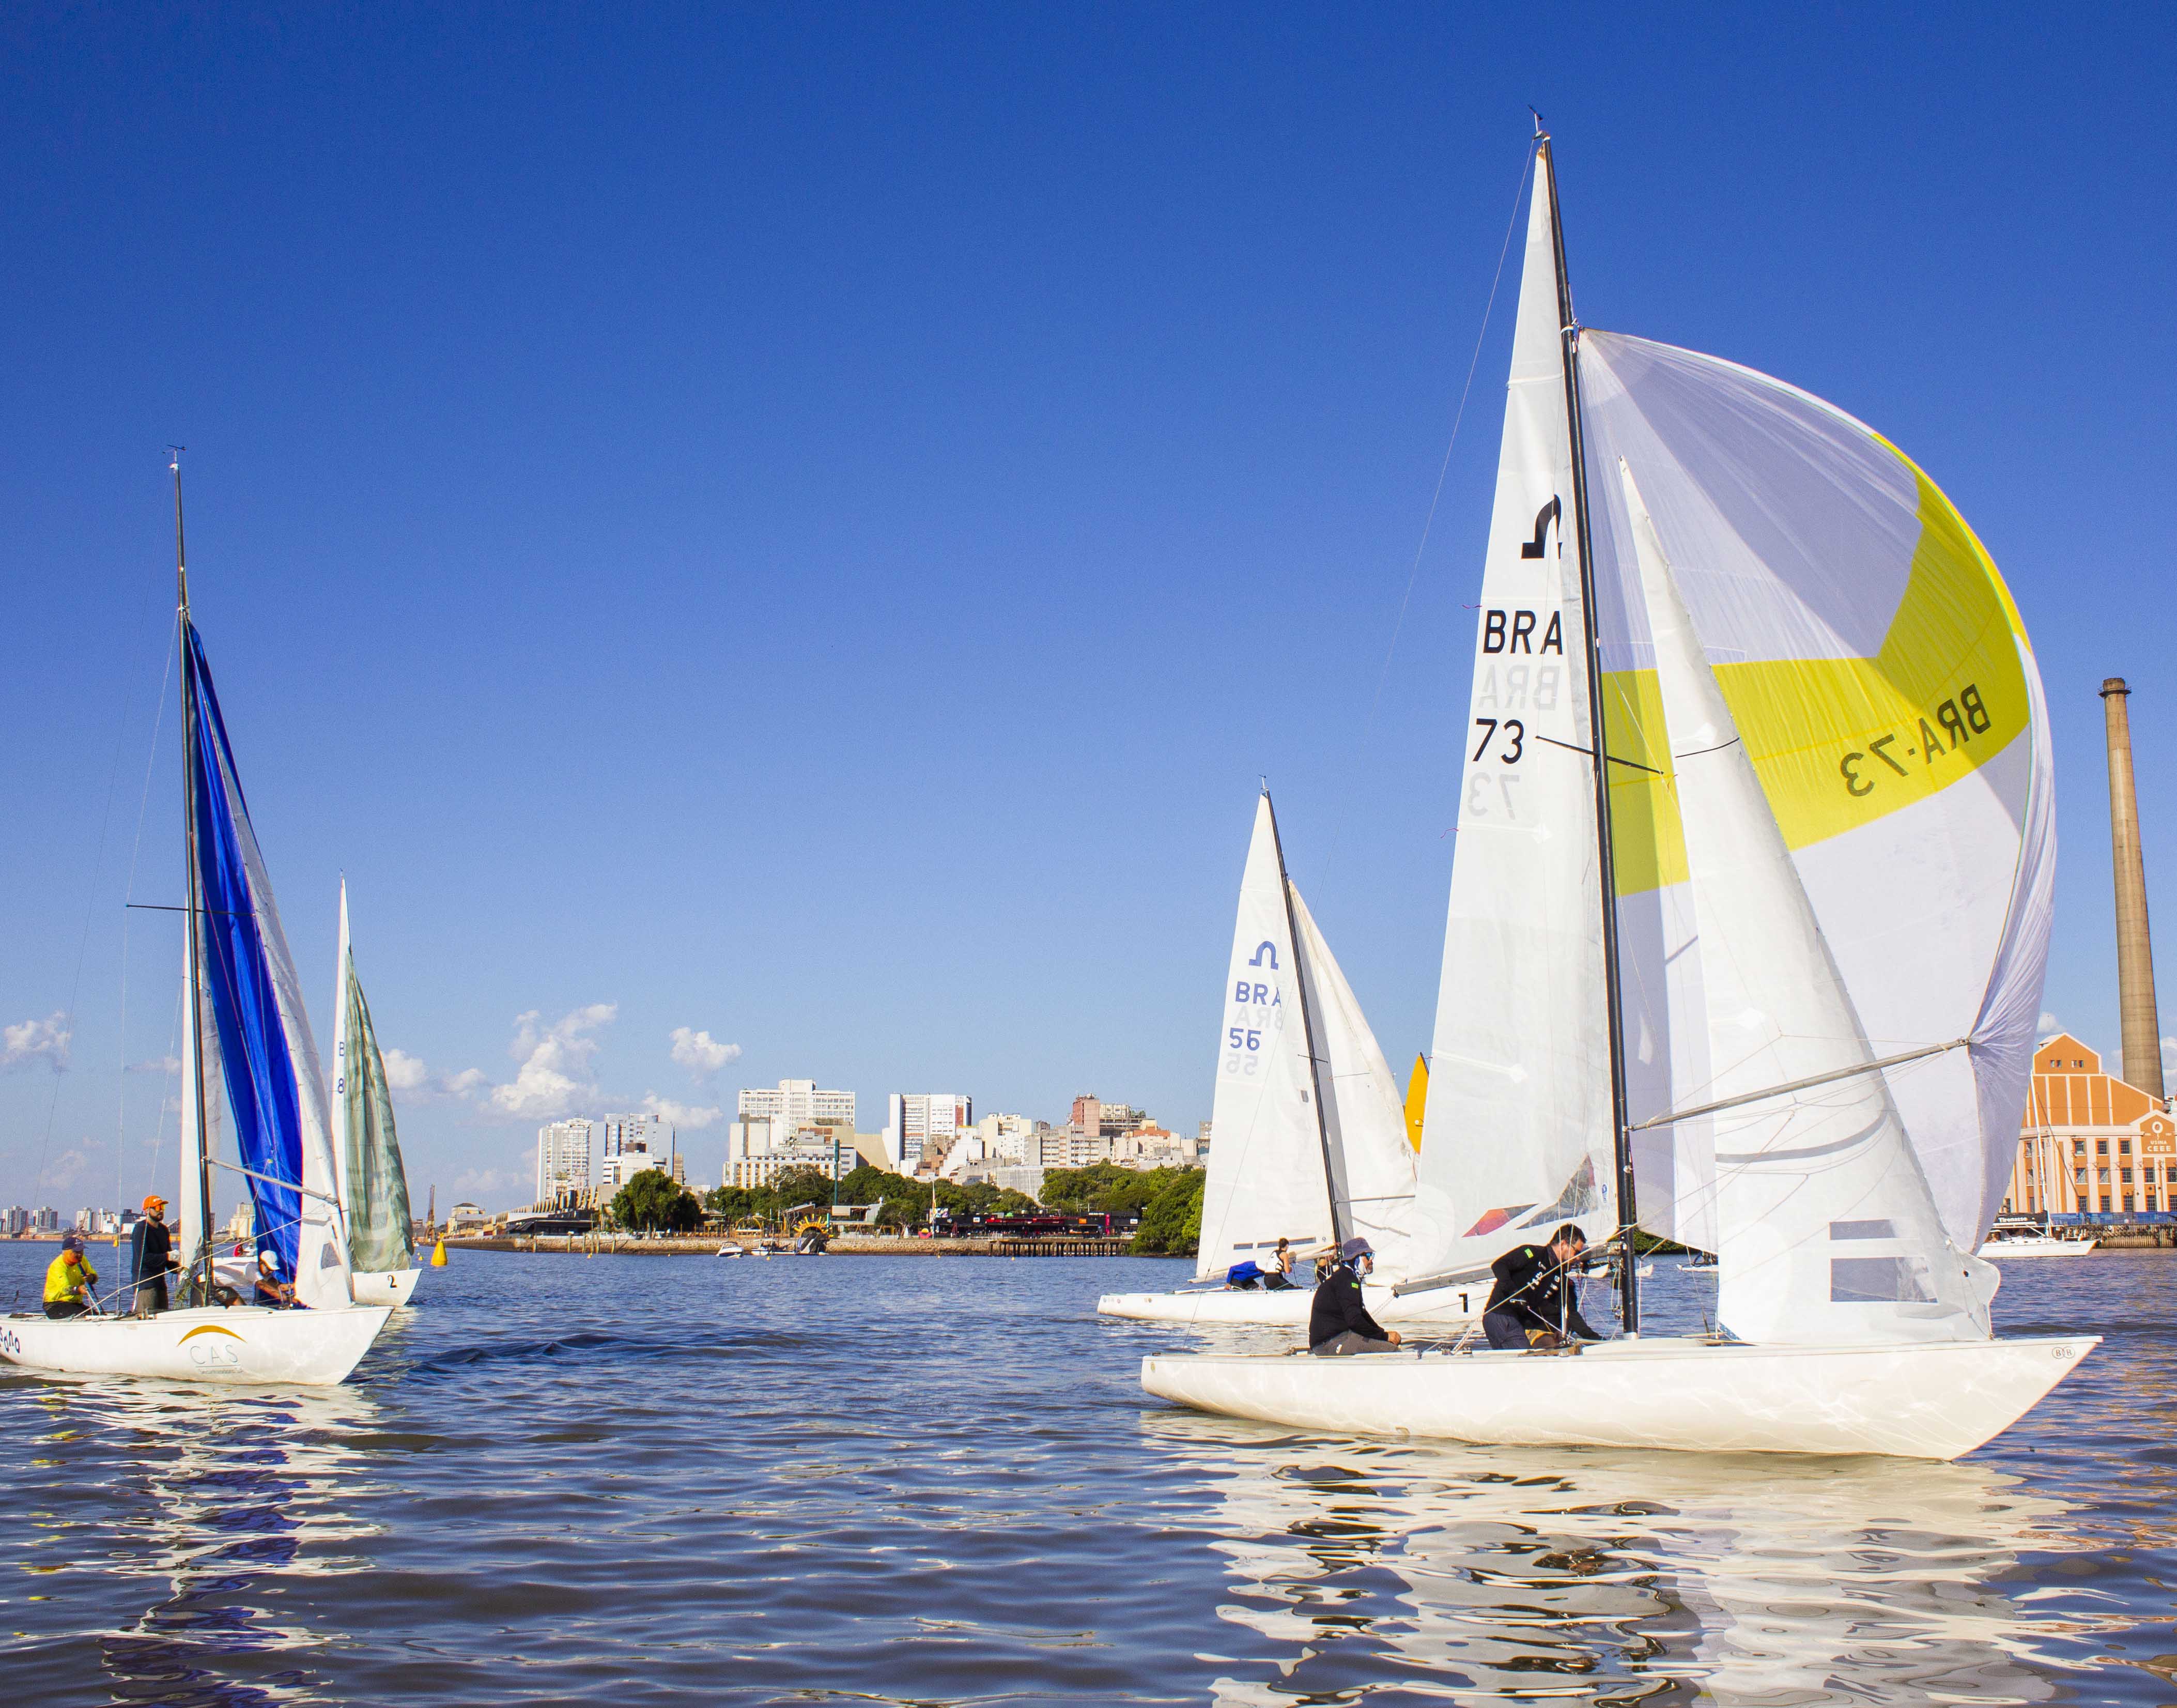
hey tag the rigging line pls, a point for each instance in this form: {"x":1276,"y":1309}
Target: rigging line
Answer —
{"x":83,"y":944}
{"x":1588,"y":753}
{"x":135,"y":854}
{"x":1675,"y":1116}
{"x":1444,"y":469}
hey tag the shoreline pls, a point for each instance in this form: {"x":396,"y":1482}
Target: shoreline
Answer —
{"x":843,"y":1244}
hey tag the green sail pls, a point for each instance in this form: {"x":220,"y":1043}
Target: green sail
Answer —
{"x":377,"y":1188}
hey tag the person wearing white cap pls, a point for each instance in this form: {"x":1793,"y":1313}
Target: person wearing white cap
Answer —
{"x":1339,"y":1325}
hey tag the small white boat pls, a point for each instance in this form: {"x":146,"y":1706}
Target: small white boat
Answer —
{"x":1700,"y":1264}
{"x":1322,"y":1151}
{"x":1288,"y":1306}
{"x":1919,"y":1401}
{"x":244,"y":1344}
{"x":732,"y":1250}
{"x":386,"y":1286}
{"x":2035,"y":1246}
{"x":250,"y":1070}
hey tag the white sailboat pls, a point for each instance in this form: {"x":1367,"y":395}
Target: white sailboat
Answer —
{"x":249,"y":1063}
{"x":1832,"y":781}
{"x":374,"y":1186}
{"x":1310,"y":1143}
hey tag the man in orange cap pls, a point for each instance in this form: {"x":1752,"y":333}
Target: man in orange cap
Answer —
{"x":151,"y":1258}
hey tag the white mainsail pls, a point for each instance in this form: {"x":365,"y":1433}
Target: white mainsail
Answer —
{"x":1829,"y":1236}
{"x":1517,"y":1125}
{"x":1267,"y":1178}
{"x":1361,"y":1105}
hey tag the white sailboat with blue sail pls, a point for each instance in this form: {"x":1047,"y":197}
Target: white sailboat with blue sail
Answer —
{"x":249,"y":1066}
{"x":1749,"y":917}
{"x":374,"y":1186}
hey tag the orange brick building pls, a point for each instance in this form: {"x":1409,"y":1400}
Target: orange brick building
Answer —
{"x":2092,"y":1148}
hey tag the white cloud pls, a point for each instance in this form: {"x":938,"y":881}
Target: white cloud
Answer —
{"x":164,"y":1064}
{"x":700,"y":1053}
{"x":467,"y":1080}
{"x":404,"y":1072}
{"x":37,"y":1040}
{"x":64,"y":1170}
{"x":554,"y":1077}
{"x":2050,"y":1025}
{"x":480,"y":1180}
{"x":679,"y":1114}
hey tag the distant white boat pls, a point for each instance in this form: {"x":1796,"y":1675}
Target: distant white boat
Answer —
{"x":1323,"y":1151}
{"x":2035,"y":1246}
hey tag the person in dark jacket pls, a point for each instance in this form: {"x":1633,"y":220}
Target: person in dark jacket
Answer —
{"x":1532,"y":1305}
{"x":151,"y":1258}
{"x":1339,"y":1323}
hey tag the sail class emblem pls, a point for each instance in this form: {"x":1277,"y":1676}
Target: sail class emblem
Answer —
{"x":1264,"y":948}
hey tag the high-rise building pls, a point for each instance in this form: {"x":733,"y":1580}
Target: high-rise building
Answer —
{"x":1092,"y":1115}
{"x":634,"y":1143}
{"x":797,"y":1103}
{"x":562,"y":1160}
{"x":920,"y":1124}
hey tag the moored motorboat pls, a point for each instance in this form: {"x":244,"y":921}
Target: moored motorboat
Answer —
{"x":2035,"y":1246}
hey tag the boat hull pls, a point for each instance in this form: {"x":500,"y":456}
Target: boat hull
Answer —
{"x":244,"y":1346}
{"x":386,"y":1286}
{"x":1919,"y":1401}
{"x":1289,"y":1307}
{"x":1999,"y":1249}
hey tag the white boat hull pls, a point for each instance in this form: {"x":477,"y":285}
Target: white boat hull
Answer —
{"x":1289,"y":1307}
{"x":245,"y":1345}
{"x":1919,"y":1401}
{"x":386,"y":1286}
{"x":2036,"y":1247}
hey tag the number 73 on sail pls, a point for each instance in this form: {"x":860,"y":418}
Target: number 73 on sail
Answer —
{"x":1759,"y":970}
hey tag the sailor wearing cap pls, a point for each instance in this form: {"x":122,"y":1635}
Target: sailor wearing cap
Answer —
{"x":70,"y":1279}
{"x":151,"y":1258}
{"x":1339,"y":1323}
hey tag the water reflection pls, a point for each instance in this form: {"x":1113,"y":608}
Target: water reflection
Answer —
{"x":220,"y":1497}
{"x":1441,"y":1572}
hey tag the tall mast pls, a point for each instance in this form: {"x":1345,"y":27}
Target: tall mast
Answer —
{"x":1332,"y":1184}
{"x":202,"y":1284}
{"x":1628,"y":1293}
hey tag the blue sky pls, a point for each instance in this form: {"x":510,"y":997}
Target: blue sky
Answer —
{"x":805,"y":525}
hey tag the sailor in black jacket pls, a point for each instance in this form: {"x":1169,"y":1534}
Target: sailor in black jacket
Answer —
{"x":1534,"y":1297}
{"x":1339,"y":1322}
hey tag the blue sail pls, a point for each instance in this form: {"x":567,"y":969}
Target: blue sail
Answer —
{"x":257,"y":1064}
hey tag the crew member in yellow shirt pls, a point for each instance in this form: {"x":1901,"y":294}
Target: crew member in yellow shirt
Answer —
{"x":69,"y":1280}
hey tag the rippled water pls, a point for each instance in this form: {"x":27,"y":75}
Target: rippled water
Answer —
{"x":921,"y":1480}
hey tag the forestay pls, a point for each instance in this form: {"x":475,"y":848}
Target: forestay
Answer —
{"x":1829,"y":1236}
{"x":1870,"y":657}
{"x":258,"y":1030}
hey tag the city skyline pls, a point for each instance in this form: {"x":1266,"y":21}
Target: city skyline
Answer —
{"x":816,"y":593}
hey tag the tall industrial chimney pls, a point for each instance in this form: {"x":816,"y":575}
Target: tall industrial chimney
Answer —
{"x":2135,"y":952}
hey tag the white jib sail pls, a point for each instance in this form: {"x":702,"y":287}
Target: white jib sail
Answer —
{"x":1827,"y":1232}
{"x":342,"y":1057}
{"x":1267,"y":1178}
{"x":1516,"y":1129}
{"x":1362,"y":1106}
